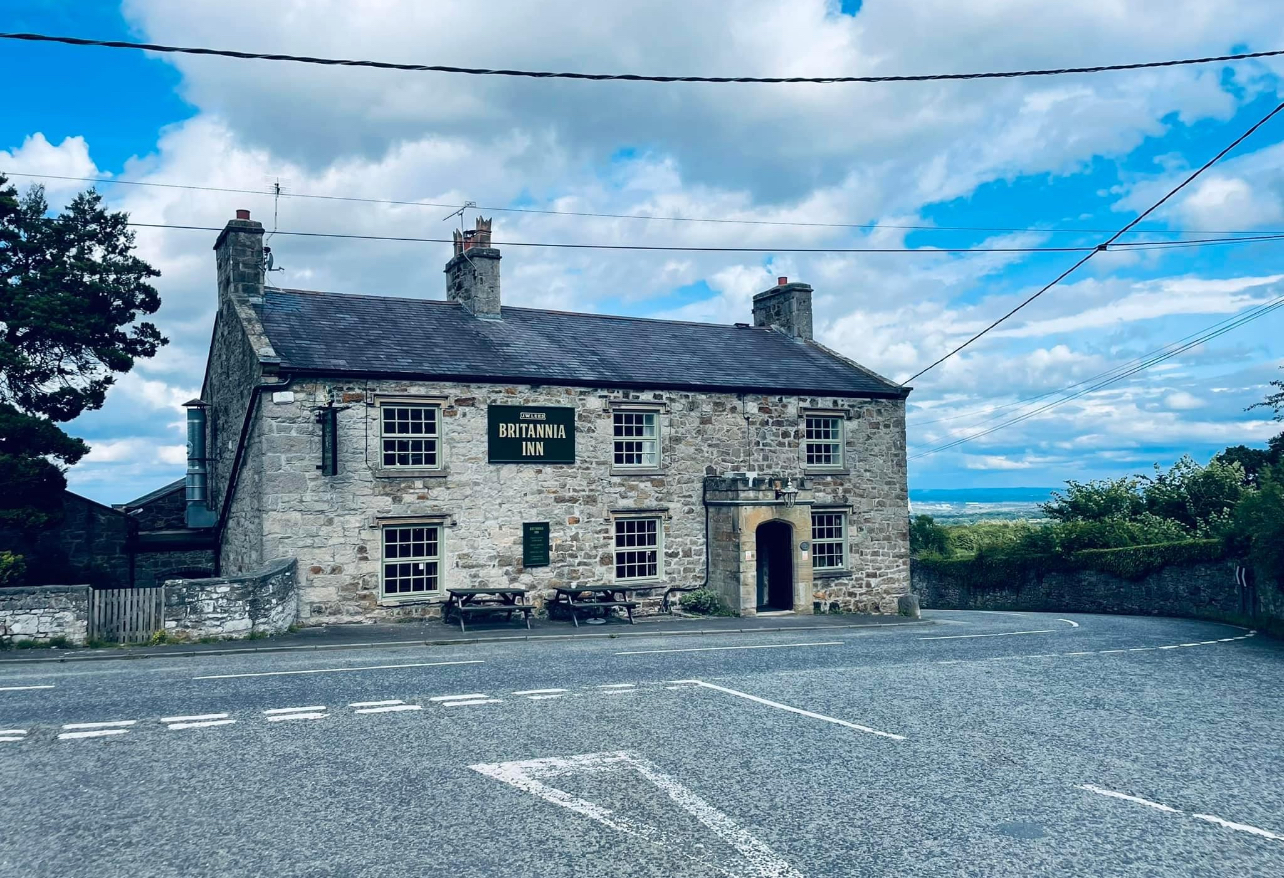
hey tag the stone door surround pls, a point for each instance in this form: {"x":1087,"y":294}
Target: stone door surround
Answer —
{"x":737,"y":504}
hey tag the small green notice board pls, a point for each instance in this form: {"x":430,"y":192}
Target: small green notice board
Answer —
{"x":535,"y":544}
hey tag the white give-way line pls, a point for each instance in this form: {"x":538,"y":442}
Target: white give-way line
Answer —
{"x":1000,"y":634}
{"x":797,"y":710}
{"x":338,"y":670}
{"x":1168,"y":809}
{"x":720,"y":648}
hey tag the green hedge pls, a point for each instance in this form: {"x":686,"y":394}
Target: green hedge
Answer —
{"x":999,"y":568}
{"x":1137,"y":562}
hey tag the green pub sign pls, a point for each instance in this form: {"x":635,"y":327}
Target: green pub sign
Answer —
{"x":535,"y":544}
{"x":530,"y":434}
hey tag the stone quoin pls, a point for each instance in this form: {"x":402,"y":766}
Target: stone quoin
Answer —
{"x":395,"y":447}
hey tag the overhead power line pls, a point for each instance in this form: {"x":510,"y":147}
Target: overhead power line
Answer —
{"x":108,"y":181}
{"x":1213,"y":332}
{"x":631,"y":77}
{"x":1111,"y":240}
{"x":927,"y":251}
{"x":1088,"y":380}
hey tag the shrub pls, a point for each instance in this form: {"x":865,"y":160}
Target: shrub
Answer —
{"x":704,"y":602}
{"x":1137,"y":562}
{"x":13,"y":569}
{"x":1098,"y":499}
{"x":927,"y":537}
{"x":1258,"y":526}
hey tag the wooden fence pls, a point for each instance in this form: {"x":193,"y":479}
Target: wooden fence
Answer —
{"x":126,"y":615}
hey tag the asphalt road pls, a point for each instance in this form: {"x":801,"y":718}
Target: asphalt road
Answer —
{"x":985,"y":744}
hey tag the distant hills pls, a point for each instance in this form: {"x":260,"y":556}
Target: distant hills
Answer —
{"x":981,"y":495}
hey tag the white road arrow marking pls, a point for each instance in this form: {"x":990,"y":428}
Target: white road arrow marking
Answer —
{"x":528,"y":775}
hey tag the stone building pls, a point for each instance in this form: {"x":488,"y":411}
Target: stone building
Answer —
{"x":395,"y":447}
{"x":136,"y":544}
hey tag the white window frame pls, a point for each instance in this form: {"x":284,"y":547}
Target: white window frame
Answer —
{"x":837,"y":443}
{"x":617,"y":440}
{"x":624,"y":522}
{"x":840,"y":541}
{"x":426,"y":437}
{"x":432,"y":563}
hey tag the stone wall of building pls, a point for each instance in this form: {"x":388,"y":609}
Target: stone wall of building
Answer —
{"x":166,"y":511}
{"x":1207,"y":591}
{"x":43,"y":613}
{"x":90,"y":544}
{"x":155,"y":567}
{"x":331,"y":524}
{"x":266,"y":602}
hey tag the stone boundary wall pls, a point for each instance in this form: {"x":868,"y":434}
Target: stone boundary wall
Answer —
{"x":1202,"y":591}
{"x":43,"y":613}
{"x":265,"y":602}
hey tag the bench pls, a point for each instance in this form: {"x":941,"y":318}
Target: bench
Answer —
{"x":604,"y":597}
{"x":485,"y":601}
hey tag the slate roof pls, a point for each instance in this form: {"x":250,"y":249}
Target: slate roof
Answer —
{"x":344,"y":334}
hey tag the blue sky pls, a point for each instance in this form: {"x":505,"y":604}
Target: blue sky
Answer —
{"x":1066,"y":153}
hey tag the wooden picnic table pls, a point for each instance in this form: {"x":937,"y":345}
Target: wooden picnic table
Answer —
{"x":485,"y":601}
{"x":601,"y":597}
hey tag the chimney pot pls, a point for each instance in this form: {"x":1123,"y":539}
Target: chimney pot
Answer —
{"x":780,"y":281}
{"x":242,"y":214}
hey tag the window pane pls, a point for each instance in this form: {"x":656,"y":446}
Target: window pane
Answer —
{"x":411,"y":564}
{"x":637,"y":542}
{"x":415,"y":432}
{"x":828,"y":540}
{"x":636,"y":439}
{"x":823,"y":442}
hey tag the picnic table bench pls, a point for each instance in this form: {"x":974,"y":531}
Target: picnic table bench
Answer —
{"x":485,"y":601}
{"x":600,"y":597}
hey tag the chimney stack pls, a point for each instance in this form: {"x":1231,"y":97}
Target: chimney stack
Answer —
{"x":786,"y":306}
{"x":238,"y":253}
{"x":472,"y":274}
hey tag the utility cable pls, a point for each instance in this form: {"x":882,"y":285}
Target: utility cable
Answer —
{"x":632,"y":216}
{"x":1113,"y":369}
{"x":1113,"y":238}
{"x":1248,"y":317}
{"x":630,"y":77}
{"x":928,"y":251}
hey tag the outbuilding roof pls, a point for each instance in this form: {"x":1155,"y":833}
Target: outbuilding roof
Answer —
{"x":344,"y":334}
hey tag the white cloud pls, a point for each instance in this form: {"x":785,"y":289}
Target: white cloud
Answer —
{"x":812,"y":154}
{"x":38,"y":156}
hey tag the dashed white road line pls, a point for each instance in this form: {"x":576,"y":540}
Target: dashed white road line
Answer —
{"x":1209,"y":818}
{"x":23,"y":688}
{"x":539,"y":692}
{"x":721,"y":648}
{"x":1000,"y":634}
{"x":546,"y":697}
{"x":338,"y":670}
{"x":281,"y":717}
{"x":797,"y":710}
{"x":618,"y":686}
{"x":102,"y":725}
{"x":97,"y":733}
{"x":1069,"y":622}
{"x":439,"y":698}
{"x":467,"y":703}
{"x":390,"y":708}
{"x":376,"y":703}
{"x":178,"y":727}
{"x":193,"y":719}
{"x":276,"y":710}
{"x":12,"y":735}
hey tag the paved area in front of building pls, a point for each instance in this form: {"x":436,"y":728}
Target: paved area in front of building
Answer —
{"x":987,"y":744}
{"x":434,"y":632}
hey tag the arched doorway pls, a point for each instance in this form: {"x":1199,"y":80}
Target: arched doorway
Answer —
{"x":775,"y":553}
